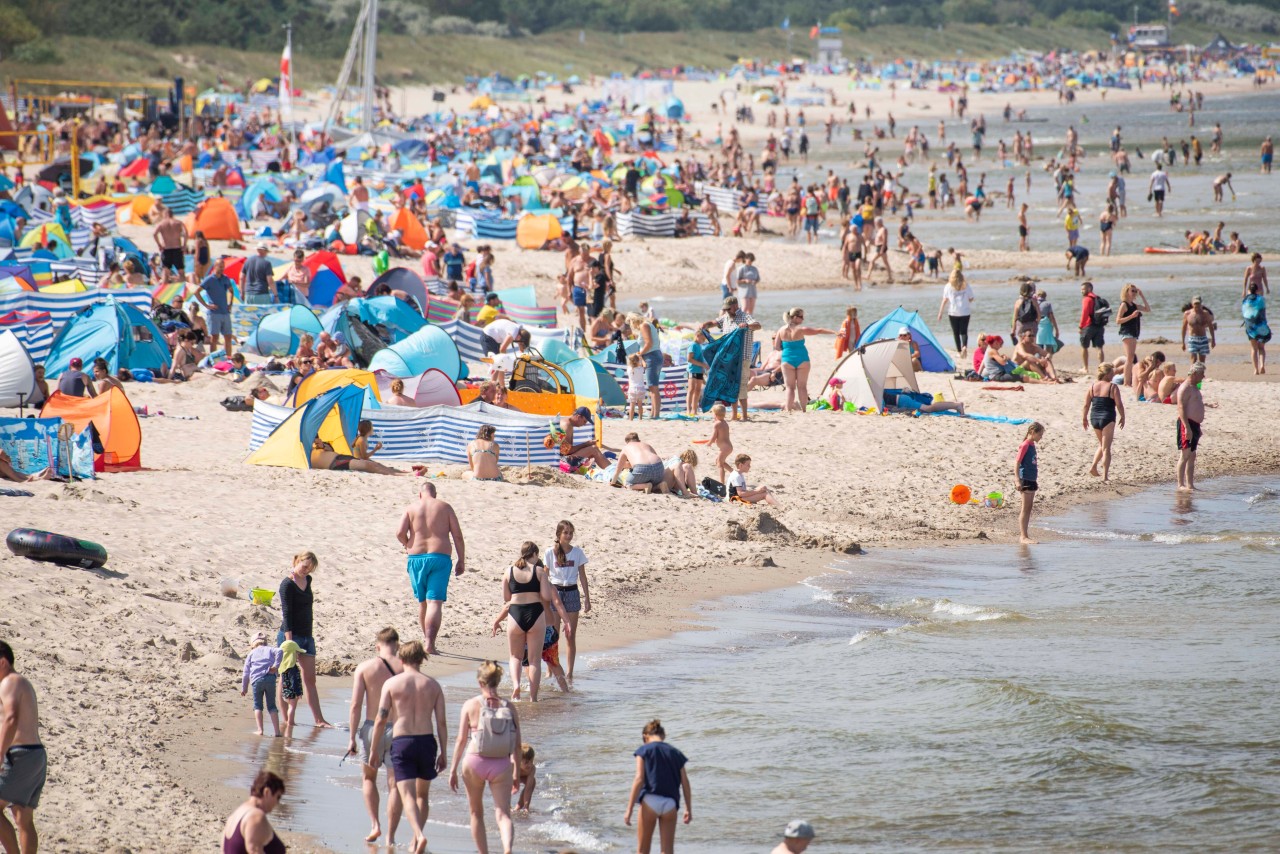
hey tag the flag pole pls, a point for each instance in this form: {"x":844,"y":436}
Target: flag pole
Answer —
{"x":286,"y":81}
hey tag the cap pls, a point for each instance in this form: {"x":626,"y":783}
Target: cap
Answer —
{"x":1197,"y":368}
{"x":261,"y":246}
{"x":1195,"y":300}
{"x":799,"y":829}
{"x":260,"y":637}
{"x":583,"y":412}
{"x":902,"y":330}
{"x":76,"y":362}
{"x":728,"y":301}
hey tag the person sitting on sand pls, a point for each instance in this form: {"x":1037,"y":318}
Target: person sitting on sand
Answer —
{"x":995,"y":365}
{"x":324,"y":457}
{"x":1031,"y":356}
{"x":102,"y":376}
{"x":647,"y":471}
{"x":904,"y":334}
{"x":398,"y":397}
{"x":1169,"y":382}
{"x":739,"y":489}
{"x":185,"y":362}
{"x":482,"y":456}
{"x":576,"y":453}
{"x":360,"y":447}
{"x":682,"y":478}
{"x":1148,"y":374}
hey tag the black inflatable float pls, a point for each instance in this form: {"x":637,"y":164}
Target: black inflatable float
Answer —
{"x":55,"y":548}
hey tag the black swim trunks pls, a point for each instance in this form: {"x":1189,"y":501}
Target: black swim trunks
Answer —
{"x":413,"y":757}
{"x":1027,"y":485}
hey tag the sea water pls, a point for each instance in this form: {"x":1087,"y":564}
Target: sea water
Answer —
{"x":1110,"y":689}
{"x":1165,"y":279}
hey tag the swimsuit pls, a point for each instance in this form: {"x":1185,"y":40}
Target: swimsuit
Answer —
{"x":1102,"y":411}
{"x":1188,"y":442}
{"x":429,"y":574}
{"x":341,"y":462}
{"x":1198,"y":345}
{"x":525,"y":615}
{"x":487,"y":768}
{"x":234,"y":844}
{"x":643,"y":473}
{"x":22,"y":775}
{"x":413,"y":757}
{"x":794,"y":353}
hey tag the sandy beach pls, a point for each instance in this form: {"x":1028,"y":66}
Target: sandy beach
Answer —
{"x":138,"y":664}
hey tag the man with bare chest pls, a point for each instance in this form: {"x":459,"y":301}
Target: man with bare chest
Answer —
{"x":22,"y":758}
{"x":414,"y":701}
{"x":366,"y":693}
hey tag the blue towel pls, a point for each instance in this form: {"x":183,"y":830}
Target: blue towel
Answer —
{"x":992,"y":419}
{"x":723,"y":356}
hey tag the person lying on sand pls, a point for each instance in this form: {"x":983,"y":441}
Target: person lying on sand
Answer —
{"x":324,"y":457}
{"x":8,"y":472}
{"x":897,"y":400}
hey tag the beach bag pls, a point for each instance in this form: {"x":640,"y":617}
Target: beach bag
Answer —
{"x":1101,"y":311}
{"x":714,"y":487}
{"x":495,"y":736}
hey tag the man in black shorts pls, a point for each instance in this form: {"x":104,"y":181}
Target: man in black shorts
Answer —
{"x":171,"y":240}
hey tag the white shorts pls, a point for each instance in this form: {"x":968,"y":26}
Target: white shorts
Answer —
{"x":659,"y":804}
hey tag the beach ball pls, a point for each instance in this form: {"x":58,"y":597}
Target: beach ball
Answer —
{"x":960,"y":494}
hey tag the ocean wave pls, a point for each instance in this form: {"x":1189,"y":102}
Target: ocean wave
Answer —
{"x":1163,"y":538}
{"x":924,"y":610}
{"x":564,"y":833}
{"x":1264,"y":495}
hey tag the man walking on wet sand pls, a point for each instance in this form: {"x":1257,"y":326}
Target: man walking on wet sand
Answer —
{"x":426,"y":528}
{"x":412,"y":699}
{"x":1190,"y":415}
{"x":366,"y":693}
{"x":23,"y":765}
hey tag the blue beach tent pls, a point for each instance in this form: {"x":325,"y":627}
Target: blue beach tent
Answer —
{"x":111,"y":330}
{"x":280,"y":334}
{"x":932,"y":356}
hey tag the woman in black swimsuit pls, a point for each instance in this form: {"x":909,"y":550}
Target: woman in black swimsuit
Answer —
{"x":528,"y":592}
{"x":1102,"y":406}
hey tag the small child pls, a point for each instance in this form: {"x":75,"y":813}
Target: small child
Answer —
{"x":850,"y":331}
{"x":1028,"y":474}
{"x":647,"y":313}
{"x":528,"y":778}
{"x":360,"y":447}
{"x":290,"y":682}
{"x":239,"y":370}
{"x":637,"y":388}
{"x":697,"y":374}
{"x":260,"y":667}
{"x":720,"y":440}
{"x":738,"y":484}
{"x":935,"y":264}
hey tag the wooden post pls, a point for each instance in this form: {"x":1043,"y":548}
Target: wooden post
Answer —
{"x":528,"y":457}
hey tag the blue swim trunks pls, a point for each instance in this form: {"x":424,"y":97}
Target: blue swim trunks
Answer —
{"x":429,"y":574}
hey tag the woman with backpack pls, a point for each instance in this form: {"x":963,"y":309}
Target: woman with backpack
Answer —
{"x":488,"y":749}
{"x":1026,"y":312}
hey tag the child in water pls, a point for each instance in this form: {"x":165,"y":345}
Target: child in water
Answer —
{"x":260,"y":667}
{"x":1028,"y":472}
{"x":527,"y":778}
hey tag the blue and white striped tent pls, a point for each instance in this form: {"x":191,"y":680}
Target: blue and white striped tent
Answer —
{"x":34,"y":335}
{"x":435,"y":433}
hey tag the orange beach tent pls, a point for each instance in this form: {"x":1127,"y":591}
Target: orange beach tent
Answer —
{"x":413,"y":234}
{"x":216,"y":218}
{"x":533,"y":231}
{"x":112,"y":416}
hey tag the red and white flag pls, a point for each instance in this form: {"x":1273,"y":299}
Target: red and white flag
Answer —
{"x":286,"y":81}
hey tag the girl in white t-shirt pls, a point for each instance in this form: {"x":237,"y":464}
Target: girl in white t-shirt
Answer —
{"x":567,"y":569}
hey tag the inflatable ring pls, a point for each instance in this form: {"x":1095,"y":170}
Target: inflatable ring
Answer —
{"x":55,"y":548}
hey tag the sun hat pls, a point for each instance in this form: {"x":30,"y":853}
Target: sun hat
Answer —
{"x":902,"y":330}
{"x":261,"y":246}
{"x":799,"y":829}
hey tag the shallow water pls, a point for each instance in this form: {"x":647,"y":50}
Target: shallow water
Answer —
{"x":988,"y":697}
{"x":1245,"y":121}
{"x":983,"y":696}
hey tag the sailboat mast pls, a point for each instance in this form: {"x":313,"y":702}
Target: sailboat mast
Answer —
{"x":370,"y":65}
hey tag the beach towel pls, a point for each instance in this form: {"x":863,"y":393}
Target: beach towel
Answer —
{"x":990,"y":419}
{"x":1003,"y":388}
{"x":723,"y":356}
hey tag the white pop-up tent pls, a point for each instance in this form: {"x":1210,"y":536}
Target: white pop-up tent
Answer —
{"x":17,"y":371}
{"x":871,"y":369}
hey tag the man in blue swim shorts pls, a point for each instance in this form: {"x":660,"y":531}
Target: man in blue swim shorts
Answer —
{"x":426,"y":529}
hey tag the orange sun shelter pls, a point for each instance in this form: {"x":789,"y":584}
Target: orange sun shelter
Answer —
{"x":113,"y":418}
{"x":534,"y":230}
{"x":216,"y":218}
{"x":413,"y":234}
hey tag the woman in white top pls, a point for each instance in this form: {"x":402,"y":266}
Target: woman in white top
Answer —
{"x":957,"y":298}
{"x":567,"y":569}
